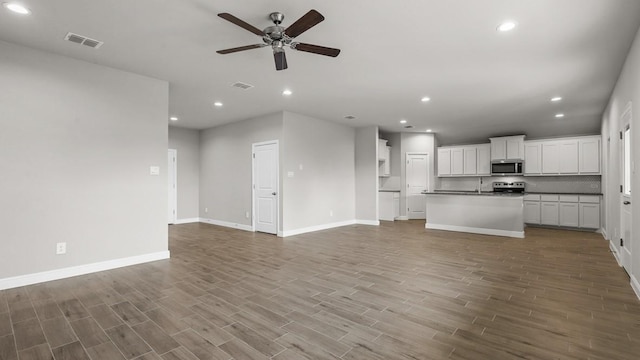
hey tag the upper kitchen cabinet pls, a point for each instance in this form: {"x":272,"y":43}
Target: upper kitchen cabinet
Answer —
{"x":507,"y":148}
{"x":589,"y":159}
{"x":564,"y":156}
{"x":468,"y":160}
{"x":384,"y":158}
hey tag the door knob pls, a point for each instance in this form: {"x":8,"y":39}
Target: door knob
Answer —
{"x":273,"y":193}
{"x":627,"y":202}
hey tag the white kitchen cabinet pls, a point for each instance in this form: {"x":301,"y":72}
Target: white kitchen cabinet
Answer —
{"x":565,"y":156}
{"x":532,"y":158}
{"x":382,"y":149}
{"x":568,"y":214}
{"x":384,"y":168}
{"x":483,"y":162}
{"x":550,"y":157}
{"x":457,"y":161}
{"x":549,"y":213}
{"x":532,"y":212}
{"x":568,"y":157}
{"x":389,"y":205}
{"x":590,"y":216}
{"x":470,"y":160}
{"x":507,"y":147}
{"x":467,"y":160}
{"x":444,"y":162}
{"x":590,"y":211}
{"x":589,"y":155}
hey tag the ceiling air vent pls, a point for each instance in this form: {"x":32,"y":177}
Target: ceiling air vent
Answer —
{"x":241,"y":85}
{"x":83,"y":40}
{"x":409,"y":127}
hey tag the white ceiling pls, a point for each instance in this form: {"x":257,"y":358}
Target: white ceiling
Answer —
{"x":482,"y":83}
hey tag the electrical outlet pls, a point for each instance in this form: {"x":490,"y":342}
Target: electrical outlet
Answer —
{"x":330,"y":212}
{"x":246,"y":214}
{"x":206,"y":210}
{"x":61,"y":248}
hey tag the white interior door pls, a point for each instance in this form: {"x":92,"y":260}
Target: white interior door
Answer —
{"x":265,"y":187}
{"x":417,"y":178}
{"x":625,"y":196}
{"x":173,"y":188}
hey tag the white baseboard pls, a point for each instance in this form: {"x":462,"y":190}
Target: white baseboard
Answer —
{"x":29,"y":279}
{"x":227,"y":224}
{"x":317,"y":228}
{"x":603,"y":231}
{"x":614,"y":251}
{"x":368,"y":222}
{"x":635,"y":285}
{"x":402,"y":218}
{"x":475,"y":230}
{"x":186,"y":221}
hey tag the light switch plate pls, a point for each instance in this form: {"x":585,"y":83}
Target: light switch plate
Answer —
{"x":154,"y":170}
{"x":290,"y":174}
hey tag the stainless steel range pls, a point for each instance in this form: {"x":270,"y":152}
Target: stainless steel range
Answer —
{"x":506,"y":187}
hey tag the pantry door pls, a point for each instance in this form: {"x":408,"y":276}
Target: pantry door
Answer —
{"x":417,"y":181}
{"x":265,"y":187}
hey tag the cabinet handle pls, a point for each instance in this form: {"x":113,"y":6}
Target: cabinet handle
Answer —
{"x":273,"y":193}
{"x":627,"y":202}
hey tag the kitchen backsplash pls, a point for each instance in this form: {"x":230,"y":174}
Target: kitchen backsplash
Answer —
{"x":553,"y":184}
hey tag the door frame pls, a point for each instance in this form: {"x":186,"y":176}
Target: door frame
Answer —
{"x":406,"y":193}
{"x":253,"y":183}
{"x":174,"y":152}
{"x":626,"y":257}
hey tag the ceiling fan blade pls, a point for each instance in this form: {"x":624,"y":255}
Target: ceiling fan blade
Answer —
{"x":241,"y":23}
{"x":306,"y":22}
{"x":240,"y":48}
{"x":281,"y":59}
{"x":316,"y":49}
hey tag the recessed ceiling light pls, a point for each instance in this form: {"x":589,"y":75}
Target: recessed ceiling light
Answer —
{"x":287,"y":92}
{"x":217,"y":104}
{"x":425,"y":99}
{"x":17,"y":8}
{"x":507,"y":26}
{"x":173,"y":118}
{"x":556,"y":98}
{"x":403,"y":121}
{"x":429,"y":130}
{"x":559,"y":115}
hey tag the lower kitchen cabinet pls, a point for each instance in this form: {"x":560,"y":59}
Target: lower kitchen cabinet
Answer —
{"x":532,"y":212}
{"x":579,"y":211}
{"x":389,"y":205}
{"x":549,"y":213}
{"x":568,"y":214}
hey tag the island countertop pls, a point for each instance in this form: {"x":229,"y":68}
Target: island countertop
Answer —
{"x":471,"y":192}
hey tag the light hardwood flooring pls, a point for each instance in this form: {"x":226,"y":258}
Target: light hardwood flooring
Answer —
{"x":396,"y":291}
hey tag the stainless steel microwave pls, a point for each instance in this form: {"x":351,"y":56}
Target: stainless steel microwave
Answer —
{"x":507,"y":167}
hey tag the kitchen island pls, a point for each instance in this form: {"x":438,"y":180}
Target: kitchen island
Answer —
{"x":486,"y":213}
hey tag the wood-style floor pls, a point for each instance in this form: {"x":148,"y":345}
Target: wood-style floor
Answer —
{"x":396,"y":291}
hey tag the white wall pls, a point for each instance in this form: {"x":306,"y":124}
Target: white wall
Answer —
{"x":627,"y":90}
{"x":225,"y":167}
{"x":326,"y":182}
{"x":366,"y":174}
{"x":187,"y":144}
{"x":76,"y":143}
{"x":420,"y":143}
{"x":393,"y":181}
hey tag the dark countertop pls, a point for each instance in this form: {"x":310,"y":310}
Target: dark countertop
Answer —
{"x":388,"y":190}
{"x":470,"y":192}
{"x":558,"y":193}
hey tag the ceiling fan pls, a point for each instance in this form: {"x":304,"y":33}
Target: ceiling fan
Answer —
{"x":278,"y":37}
